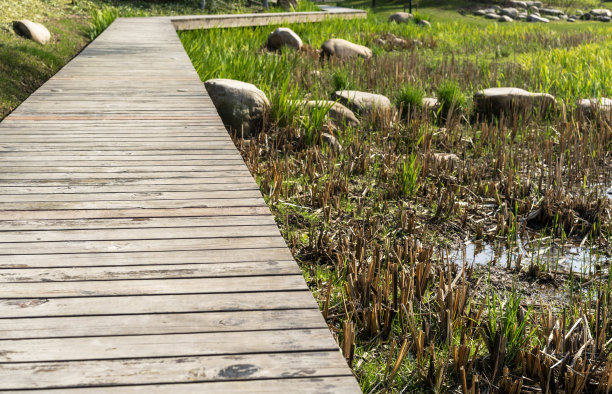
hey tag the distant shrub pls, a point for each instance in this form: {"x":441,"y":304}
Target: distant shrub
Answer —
{"x":340,"y":80}
{"x":450,"y":96}
{"x":409,"y":96}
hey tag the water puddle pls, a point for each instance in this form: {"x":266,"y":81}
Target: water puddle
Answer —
{"x":549,"y":257}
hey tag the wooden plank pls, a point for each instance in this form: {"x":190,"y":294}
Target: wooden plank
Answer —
{"x":167,"y":303}
{"x":151,"y":287}
{"x":166,"y":345}
{"x":177,"y":271}
{"x":231,"y":254}
{"x":159,"y":323}
{"x":131,"y":204}
{"x":132,"y":213}
{"x":315,"y":385}
{"x":137,"y":223}
{"x":125,"y":246}
{"x":142,"y":196}
{"x":164,"y":233}
{"x":228,"y":373}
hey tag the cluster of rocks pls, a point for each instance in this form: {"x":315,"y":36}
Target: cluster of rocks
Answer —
{"x":533,"y":11}
{"x":406,"y":17}
{"x":243,"y":107}
{"x":32,"y":30}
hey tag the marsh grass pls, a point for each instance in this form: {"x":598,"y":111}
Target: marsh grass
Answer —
{"x":369,"y":222}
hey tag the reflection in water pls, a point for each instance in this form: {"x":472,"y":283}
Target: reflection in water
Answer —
{"x":549,"y":256}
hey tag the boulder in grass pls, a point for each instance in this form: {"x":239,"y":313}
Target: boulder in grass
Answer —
{"x":536,"y":18}
{"x":534,"y":4}
{"x":338,"y":113}
{"x":518,"y":4}
{"x":32,"y":30}
{"x":511,"y":12}
{"x":242,"y":106}
{"x":534,"y":10}
{"x":505,"y":18}
{"x":401,"y":17}
{"x":492,"y":16}
{"x":551,"y":11}
{"x":591,"y":108}
{"x":283,"y":36}
{"x":424,"y":23}
{"x":480,"y":13}
{"x":430,"y":104}
{"x":599,"y":12}
{"x":344,"y":49}
{"x":363,"y":102}
{"x":604,"y":19}
{"x":509,"y":101}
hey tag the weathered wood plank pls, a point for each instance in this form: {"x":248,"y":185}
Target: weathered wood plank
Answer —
{"x":222,"y":370}
{"x":167,"y":303}
{"x":159,"y":323}
{"x":231,"y":254}
{"x":151,"y":287}
{"x":167,"y":345}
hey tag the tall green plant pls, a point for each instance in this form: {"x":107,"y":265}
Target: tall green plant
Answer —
{"x":101,"y":19}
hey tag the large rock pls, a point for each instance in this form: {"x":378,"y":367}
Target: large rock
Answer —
{"x":401,"y":17}
{"x":551,"y":11}
{"x":492,"y":16}
{"x":505,"y":18}
{"x":518,"y":4}
{"x":536,"y":18}
{"x":338,"y":113}
{"x":344,"y":49}
{"x":241,"y":105}
{"x":283,"y":36}
{"x":496,"y":101}
{"x":593,"y":107}
{"x":32,"y":30}
{"x":511,"y":12}
{"x":534,"y":4}
{"x":362,"y":101}
{"x":599,"y":12}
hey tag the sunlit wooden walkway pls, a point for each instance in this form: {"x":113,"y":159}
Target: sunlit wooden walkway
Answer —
{"x":136,"y":251}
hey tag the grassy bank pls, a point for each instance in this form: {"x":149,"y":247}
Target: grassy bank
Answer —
{"x":378,"y":225}
{"x":26,"y":65}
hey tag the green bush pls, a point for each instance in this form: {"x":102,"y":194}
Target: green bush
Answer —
{"x":409,"y":97}
{"x":451,"y":97}
{"x":340,"y":80}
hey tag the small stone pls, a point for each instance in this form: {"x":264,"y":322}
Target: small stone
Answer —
{"x":430,"y":103}
{"x":401,"y":17}
{"x":505,"y":18}
{"x":283,"y":36}
{"x":479,"y":13}
{"x":331,"y":141}
{"x":604,"y":19}
{"x":446,"y":158}
{"x":344,"y":49}
{"x":32,"y":30}
{"x":492,"y":16}
{"x":380,"y":42}
{"x":424,"y":23}
{"x":571,"y":20}
{"x":534,"y":10}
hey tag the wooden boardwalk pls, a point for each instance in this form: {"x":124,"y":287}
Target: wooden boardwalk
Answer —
{"x":136,"y":251}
